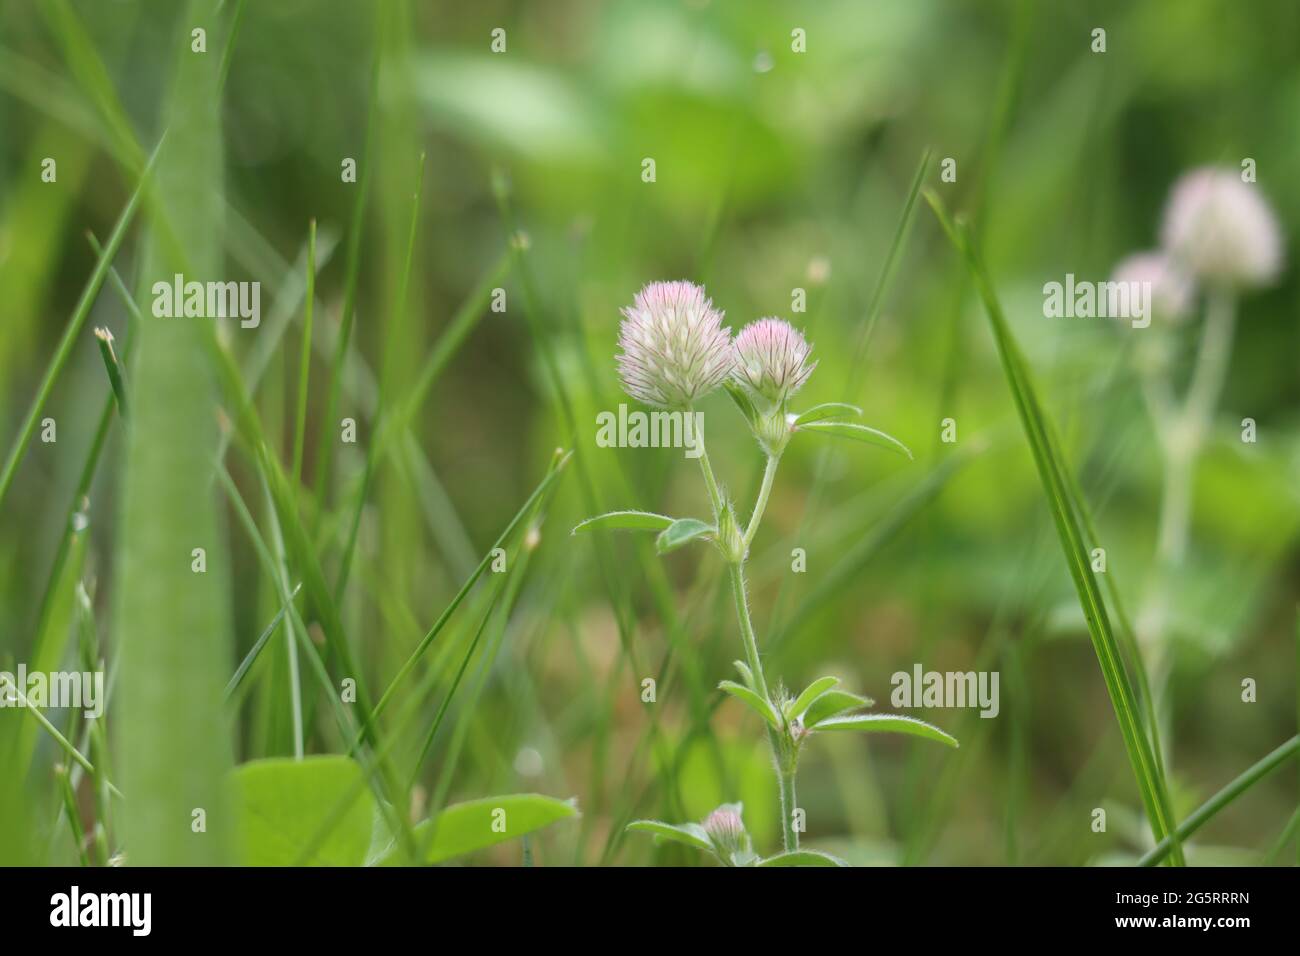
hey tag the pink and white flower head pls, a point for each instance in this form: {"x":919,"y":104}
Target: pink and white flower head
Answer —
{"x":1171,"y":289}
{"x":1221,"y":230}
{"x":726,"y":830}
{"x":772,"y":360}
{"x":675,"y":348}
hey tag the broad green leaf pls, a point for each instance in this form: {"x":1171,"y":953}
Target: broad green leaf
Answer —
{"x":745,"y":673}
{"x":680,"y":532}
{"x":810,"y":693}
{"x":886,"y":724}
{"x":626,"y":521}
{"x":819,"y":413}
{"x":758,"y":704}
{"x":834,"y":702}
{"x":477,"y":824}
{"x":803,"y":858}
{"x":692,"y":834}
{"x":862,"y":433}
{"x":280,"y":804}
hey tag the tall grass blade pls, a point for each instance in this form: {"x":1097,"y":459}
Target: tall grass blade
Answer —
{"x":1065,"y":511}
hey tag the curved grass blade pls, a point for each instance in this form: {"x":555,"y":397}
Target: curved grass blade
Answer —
{"x":79,"y":315}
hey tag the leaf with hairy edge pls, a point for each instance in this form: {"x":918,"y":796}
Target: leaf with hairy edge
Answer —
{"x":758,"y":704}
{"x":810,"y":693}
{"x":626,"y":521}
{"x":834,"y":702}
{"x":820,"y":413}
{"x":745,"y":673}
{"x":886,"y":724}
{"x":680,"y":532}
{"x":803,"y":858}
{"x":872,"y":436}
{"x":692,"y":834}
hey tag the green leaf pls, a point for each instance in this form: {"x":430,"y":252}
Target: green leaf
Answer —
{"x":745,"y":673}
{"x":827,"y":410}
{"x":803,"y":858}
{"x":810,"y":693}
{"x":626,"y":521}
{"x":281,"y":802}
{"x":834,"y":702}
{"x":692,"y":834}
{"x":1060,"y":490}
{"x":680,"y":532}
{"x":758,"y":704}
{"x":872,"y":436}
{"x":743,"y":402}
{"x":476,"y":824}
{"x":886,"y":724}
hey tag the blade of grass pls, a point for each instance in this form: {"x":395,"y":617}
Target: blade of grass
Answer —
{"x":396,"y":325}
{"x":304,"y":362}
{"x":73,"y":330}
{"x":1050,"y":464}
{"x":1206,"y":811}
{"x":507,"y":535}
{"x":171,"y":730}
{"x":251,"y":657}
{"x":352,"y":269}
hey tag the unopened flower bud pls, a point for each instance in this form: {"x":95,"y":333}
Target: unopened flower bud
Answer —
{"x":772,"y":360}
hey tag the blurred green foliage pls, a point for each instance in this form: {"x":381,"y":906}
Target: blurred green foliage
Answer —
{"x":774,"y":170}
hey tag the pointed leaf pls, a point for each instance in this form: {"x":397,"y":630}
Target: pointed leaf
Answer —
{"x":887,"y":724}
{"x":626,"y":521}
{"x":872,"y":436}
{"x":680,"y":532}
{"x":759,"y":705}
{"x":810,"y":693}
{"x":803,"y":858}
{"x":692,"y":834}
{"x":819,"y":413}
{"x":743,"y":402}
{"x":834,"y":702}
{"x":745,"y":673}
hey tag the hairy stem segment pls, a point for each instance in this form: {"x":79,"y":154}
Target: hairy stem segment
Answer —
{"x":764,"y":491}
{"x":789,"y":834}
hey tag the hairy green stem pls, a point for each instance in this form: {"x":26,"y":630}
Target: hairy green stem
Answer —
{"x":760,"y":505}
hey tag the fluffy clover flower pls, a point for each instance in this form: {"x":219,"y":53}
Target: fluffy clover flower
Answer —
{"x":1220,"y":229}
{"x":726,"y":830}
{"x":675,"y":348}
{"x":772,"y":360}
{"x":1171,"y":289}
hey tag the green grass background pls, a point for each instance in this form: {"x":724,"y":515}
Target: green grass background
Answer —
{"x":771,"y":166}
